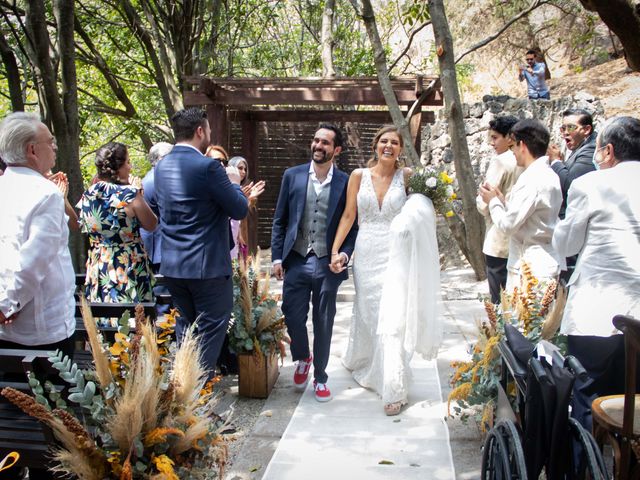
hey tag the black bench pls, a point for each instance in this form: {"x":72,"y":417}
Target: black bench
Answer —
{"x":18,"y":431}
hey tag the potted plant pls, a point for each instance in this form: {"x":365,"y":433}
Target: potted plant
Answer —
{"x":144,"y":412}
{"x":257,"y":330}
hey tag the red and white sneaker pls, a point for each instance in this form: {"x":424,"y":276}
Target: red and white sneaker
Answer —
{"x":301,"y":376}
{"x":323,"y":394}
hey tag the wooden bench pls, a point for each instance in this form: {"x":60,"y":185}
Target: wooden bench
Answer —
{"x":18,"y":431}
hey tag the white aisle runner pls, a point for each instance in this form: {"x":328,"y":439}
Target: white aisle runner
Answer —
{"x":350,"y":437}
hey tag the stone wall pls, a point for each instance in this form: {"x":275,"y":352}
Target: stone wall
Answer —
{"x":436,"y":143}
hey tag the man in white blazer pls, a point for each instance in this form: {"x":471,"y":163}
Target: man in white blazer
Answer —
{"x":602,"y":225}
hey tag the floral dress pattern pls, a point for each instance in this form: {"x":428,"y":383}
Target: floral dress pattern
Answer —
{"x":118,"y":270}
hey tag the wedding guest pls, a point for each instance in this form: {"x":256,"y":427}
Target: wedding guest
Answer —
{"x":37,"y":307}
{"x":196,"y":198}
{"x":152,"y":239}
{"x":602,"y":226}
{"x":217,"y":152}
{"x":240,"y":228}
{"x":530,"y":212}
{"x":111,"y":214}
{"x":502,"y":173}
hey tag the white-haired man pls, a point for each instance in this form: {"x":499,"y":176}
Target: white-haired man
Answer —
{"x":37,"y":307}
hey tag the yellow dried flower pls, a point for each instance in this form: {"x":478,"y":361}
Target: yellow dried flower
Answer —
{"x":159,"y":435}
{"x":165,"y":465}
{"x":449,"y":214}
{"x":459,"y":393}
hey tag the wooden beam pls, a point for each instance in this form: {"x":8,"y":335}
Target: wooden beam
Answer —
{"x":359,"y":116}
{"x":250,"y":152}
{"x":217,"y":116}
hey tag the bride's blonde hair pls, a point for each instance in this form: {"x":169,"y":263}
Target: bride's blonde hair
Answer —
{"x":385,"y":129}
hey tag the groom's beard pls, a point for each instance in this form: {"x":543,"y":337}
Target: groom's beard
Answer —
{"x":323,"y":159}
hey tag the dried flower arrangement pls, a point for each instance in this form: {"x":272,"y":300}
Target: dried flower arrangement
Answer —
{"x":257,"y":326}
{"x":536,"y":310}
{"x":145,"y":412}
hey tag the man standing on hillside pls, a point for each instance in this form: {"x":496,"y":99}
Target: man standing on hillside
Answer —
{"x":534,"y":72}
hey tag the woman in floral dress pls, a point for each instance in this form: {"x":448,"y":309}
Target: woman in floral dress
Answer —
{"x":111,"y":213}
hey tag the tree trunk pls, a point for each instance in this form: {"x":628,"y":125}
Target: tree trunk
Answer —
{"x":624,"y":20}
{"x":13,"y":75}
{"x":473,"y":223}
{"x":380,"y":61}
{"x":327,"y":39}
{"x":61,"y":110}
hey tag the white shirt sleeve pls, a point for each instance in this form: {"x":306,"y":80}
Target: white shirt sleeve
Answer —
{"x":43,"y":228}
{"x":570,"y":234}
{"x":520,"y":204}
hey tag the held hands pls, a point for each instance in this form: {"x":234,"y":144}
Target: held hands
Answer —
{"x":277,"y":271}
{"x":338,"y":262}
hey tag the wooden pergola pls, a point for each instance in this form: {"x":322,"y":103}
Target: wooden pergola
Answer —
{"x":250,"y":101}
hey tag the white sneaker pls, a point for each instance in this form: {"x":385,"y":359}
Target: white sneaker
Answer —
{"x":322,"y":392}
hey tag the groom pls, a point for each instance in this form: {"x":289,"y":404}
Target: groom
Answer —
{"x":311,"y":201}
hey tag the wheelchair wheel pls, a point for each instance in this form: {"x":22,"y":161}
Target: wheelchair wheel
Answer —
{"x":502,"y":456}
{"x":591,"y":465}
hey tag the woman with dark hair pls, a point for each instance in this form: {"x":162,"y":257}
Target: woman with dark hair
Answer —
{"x":111,"y":213}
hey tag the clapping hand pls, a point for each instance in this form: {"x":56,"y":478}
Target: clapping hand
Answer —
{"x":135,"y":181}
{"x":554,"y":152}
{"x":6,"y":320}
{"x":234,"y":175}
{"x":61,"y":181}
{"x":253,"y":190}
{"x":487,"y":192}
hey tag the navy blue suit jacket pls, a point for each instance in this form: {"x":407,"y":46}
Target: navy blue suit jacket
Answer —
{"x":196,"y":199}
{"x":290,"y":209}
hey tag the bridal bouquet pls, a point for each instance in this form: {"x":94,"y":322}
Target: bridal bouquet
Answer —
{"x":436,"y":184}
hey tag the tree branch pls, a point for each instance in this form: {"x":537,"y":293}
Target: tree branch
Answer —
{"x":408,"y":46}
{"x":491,"y":38}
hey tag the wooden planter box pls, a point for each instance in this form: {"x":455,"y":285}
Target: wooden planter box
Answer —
{"x":256,"y":379}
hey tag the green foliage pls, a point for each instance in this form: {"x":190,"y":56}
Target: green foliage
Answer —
{"x":257,"y":325}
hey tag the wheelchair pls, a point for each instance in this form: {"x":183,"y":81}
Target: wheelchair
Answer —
{"x":539,"y":435}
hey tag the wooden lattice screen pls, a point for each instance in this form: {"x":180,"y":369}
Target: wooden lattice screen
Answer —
{"x":282,"y":145}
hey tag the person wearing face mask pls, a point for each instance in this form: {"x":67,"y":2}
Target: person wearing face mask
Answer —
{"x":111,"y":214}
{"x":602,"y":226}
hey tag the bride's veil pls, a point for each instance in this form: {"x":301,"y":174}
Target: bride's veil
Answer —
{"x":411,"y":291}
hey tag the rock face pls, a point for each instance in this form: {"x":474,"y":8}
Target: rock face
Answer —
{"x":436,"y":141}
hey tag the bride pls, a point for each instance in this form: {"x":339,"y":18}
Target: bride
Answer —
{"x":396,"y":273}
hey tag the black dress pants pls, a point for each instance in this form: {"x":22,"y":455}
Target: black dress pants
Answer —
{"x":496,"y":276}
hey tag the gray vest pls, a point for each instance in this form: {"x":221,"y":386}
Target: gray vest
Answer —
{"x":312,"y":231}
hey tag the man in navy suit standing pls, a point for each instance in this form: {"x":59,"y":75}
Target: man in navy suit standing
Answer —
{"x":196,"y":198}
{"x":311,"y":201}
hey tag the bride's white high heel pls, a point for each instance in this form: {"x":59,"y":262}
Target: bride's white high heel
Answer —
{"x":391,"y":409}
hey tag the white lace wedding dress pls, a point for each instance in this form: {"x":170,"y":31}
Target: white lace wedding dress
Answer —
{"x":396,"y":274}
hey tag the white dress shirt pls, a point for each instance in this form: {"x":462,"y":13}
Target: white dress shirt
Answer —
{"x":602,"y":224}
{"x":529,"y":217}
{"x":36,"y":275}
{"x":318,"y":186}
{"x":502,"y":173}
